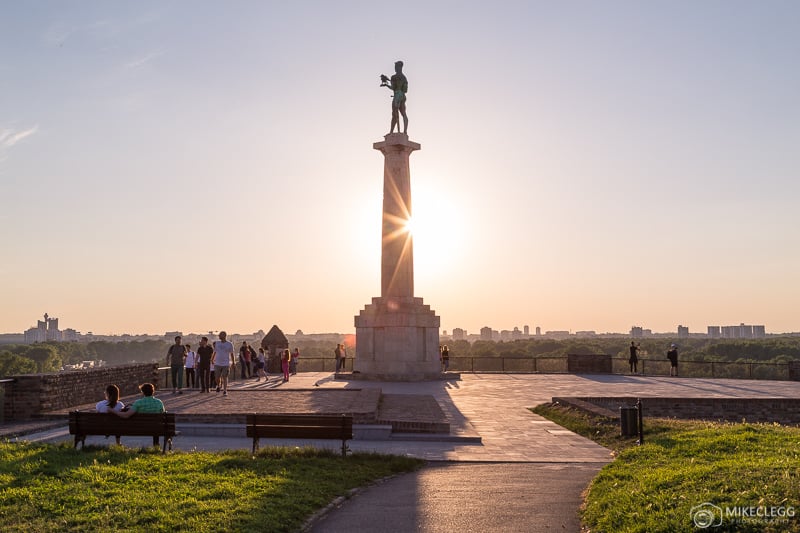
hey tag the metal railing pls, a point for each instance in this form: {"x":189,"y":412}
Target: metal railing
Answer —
{"x":558,"y":365}
{"x":620,"y":365}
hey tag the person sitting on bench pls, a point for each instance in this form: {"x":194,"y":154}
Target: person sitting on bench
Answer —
{"x":146,"y":404}
{"x":111,"y":403}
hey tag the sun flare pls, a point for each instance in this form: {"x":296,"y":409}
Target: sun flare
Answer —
{"x":437,"y":229}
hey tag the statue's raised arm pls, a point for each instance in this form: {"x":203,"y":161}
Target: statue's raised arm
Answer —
{"x":398,"y":84}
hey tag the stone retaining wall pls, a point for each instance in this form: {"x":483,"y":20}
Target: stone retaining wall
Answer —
{"x":33,"y":394}
{"x":781,"y":410}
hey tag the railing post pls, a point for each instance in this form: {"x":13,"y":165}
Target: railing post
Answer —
{"x":639,"y":414}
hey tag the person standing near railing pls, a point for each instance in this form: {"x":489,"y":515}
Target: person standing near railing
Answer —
{"x":293,"y":362}
{"x":286,"y":357}
{"x":672,"y":355}
{"x":244,"y":360}
{"x":337,"y":354}
{"x":633,"y":360}
{"x":445,"y":358}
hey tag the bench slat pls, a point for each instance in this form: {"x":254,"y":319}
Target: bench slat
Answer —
{"x":298,"y":432}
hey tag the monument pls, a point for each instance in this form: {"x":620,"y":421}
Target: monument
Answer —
{"x":397,"y":336}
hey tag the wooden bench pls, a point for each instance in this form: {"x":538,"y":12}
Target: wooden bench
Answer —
{"x":272,"y":426}
{"x":82,"y":424}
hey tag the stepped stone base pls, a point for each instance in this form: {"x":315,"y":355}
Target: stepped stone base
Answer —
{"x":397,"y":339}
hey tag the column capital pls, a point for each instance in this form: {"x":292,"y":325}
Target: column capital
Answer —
{"x":396,"y":141}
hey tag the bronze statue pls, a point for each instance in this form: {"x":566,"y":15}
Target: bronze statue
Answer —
{"x":398,"y":84}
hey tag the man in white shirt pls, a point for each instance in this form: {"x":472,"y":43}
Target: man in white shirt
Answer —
{"x":222,"y":360}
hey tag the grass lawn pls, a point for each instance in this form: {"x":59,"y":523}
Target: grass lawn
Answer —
{"x":57,"y":488}
{"x":723,"y":477}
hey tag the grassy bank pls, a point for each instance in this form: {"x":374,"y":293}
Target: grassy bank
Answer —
{"x":49,"y":488}
{"x":690,"y":474}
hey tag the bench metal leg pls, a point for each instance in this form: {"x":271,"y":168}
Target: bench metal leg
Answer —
{"x":255,"y":445}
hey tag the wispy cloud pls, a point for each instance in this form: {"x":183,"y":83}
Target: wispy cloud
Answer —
{"x":10,"y":137}
{"x":60,"y":32}
{"x":137,"y":63}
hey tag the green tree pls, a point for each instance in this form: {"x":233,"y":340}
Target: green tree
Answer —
{"x":12,"y":364}
{"x":45,"y":356}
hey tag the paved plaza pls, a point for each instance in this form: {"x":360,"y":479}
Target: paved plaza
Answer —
{"x":516,"y":470}
{"x":488,"y":413}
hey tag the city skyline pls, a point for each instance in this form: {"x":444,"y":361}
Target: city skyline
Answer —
{"x":48,"y":330}
{"x":190,"y":166}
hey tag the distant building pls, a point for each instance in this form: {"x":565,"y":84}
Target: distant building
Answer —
{"x":587,"y":333}
{"x":45,"y":330}
{"x":683,"y":332}
{"x":170,"y":335}
{"x":538,"y":331}
{"x":459,"y":334}
{"x":714,"y":332}
{"x":743,"y":331}
{"x":526,"y":330}
{"x":557,"y":334}
{"x":486,"y":333}
{"x":636,"y":331}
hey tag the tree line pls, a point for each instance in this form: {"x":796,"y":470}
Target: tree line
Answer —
{"x":52,"y":356}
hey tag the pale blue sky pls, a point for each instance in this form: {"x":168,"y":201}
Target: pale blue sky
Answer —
{"x":584,"y":165}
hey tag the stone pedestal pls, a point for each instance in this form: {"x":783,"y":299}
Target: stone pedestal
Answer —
{"x":397,"y":339}
{"x":397,"y":336}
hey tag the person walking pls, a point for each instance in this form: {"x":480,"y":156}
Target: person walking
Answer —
{"x":191,"y":362}
{"x":293,"y":362}
{"x":633,"y":360}
{"x":222,"y":359}
{"x":261,"y":365}
{"x":672,"y":355}
{"x":204,"y":353}
{"x":445,"y":358}
{"x":176,"y":354}
{"x":286,"y":357}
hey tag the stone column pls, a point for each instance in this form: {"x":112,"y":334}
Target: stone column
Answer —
{"x":397,"y":336}
{"x":397,"y":248}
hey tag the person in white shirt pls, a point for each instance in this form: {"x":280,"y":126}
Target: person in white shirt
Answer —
{"x":111,"y":403}
{"x":222,"y":360}
{"x":190,"y":363}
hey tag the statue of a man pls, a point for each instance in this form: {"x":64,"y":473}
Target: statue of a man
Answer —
{"x":398,"y":84}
